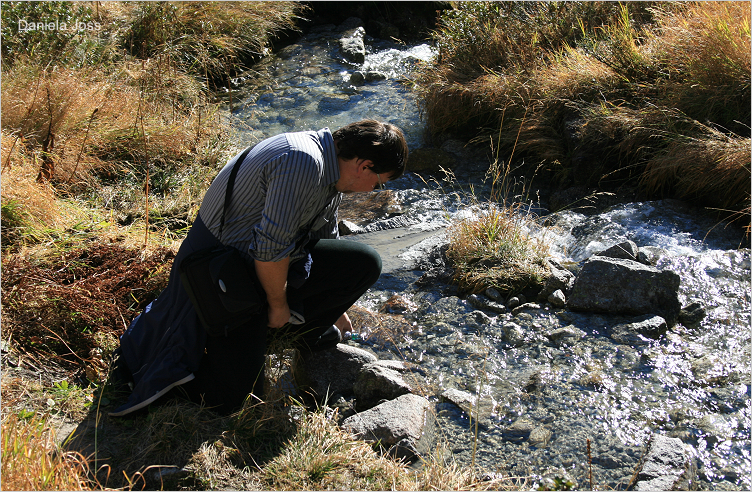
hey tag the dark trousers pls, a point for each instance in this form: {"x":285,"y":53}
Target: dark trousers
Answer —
{"x":232,"y":366}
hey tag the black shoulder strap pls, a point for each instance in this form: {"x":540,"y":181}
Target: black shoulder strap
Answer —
{"x":230,"y":185}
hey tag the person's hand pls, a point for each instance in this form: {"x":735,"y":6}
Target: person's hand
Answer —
{"x":344,"y":324}
{"x":279,"y":315}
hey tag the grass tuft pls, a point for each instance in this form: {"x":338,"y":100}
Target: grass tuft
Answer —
{"x":31,"y":460}
{"x":497,"y":249}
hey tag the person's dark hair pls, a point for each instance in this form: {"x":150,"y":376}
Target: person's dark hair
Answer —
{"x":382,"y":143}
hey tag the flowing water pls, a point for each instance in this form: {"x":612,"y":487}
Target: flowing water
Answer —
{"x":542,"y":402}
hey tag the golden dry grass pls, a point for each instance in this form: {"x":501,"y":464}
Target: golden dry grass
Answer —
{"x":638,"y":90}
{"x":497,"y":248}
{"x":717,"y":166}
{"x":90,"y":122}
{"x":38,"y":200}
{"x":321,"y":456}
{"x":706,"y":53}
{"x":31,"y":460}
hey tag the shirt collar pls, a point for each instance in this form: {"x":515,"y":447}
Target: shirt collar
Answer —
{"x":331,"y":164}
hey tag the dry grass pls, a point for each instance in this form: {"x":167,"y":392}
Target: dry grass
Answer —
{"x":320,"y":456}
{"x":497,"y":249}
{"x":32,"y":461}
{"x":717,"y":166}
{"x":706,"y":54}
{"x":208,"y":39}
{"x":640,"y":81}
{"x":87,"y":122}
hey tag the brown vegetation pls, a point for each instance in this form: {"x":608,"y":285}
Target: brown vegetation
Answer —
{"x":603,"y":93}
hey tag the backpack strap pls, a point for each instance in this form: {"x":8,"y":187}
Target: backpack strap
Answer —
{"x":230,"y":185}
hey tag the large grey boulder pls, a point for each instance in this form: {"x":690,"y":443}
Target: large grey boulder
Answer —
{"x":378,"y":381}
{"x":352,"y":46}
{"x":667,"y":466}
{"x":333,"y":371}
{"x":618,"y":286}
{"x":404,"y":427}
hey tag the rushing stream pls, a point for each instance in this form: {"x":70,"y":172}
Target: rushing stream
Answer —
{"x":541,"y":401}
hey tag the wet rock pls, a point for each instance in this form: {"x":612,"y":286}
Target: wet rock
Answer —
{"x":649,"y":255}
{"x":514,"y":334}
{"x":352,"y":46}
{"x":692,"y":315}
{"x":644,"y":258}
{"x":375,"y":75}
{"x":494,"y":295}
{"x":668,"y":466}
{"x":397,"y":304}
{"x":524,"y":307}
{"x":557,"y":299}
{"x":516,"y":301}
{"x":333,"y":371}
{"x":559,"y":278}
{"x":482,"y":410}
{"x":617,"y":286}
{"x":640,"y":331}
{"x":358,"y":78}
{"x":566,"y":334}
{"x":404,"y":426}
{"x":481,"y":318}
{"x":626,"y":250}
{"x":347,"y":228}
{"x":486,"y":304}
{"x":712,"y":370}
{"x":716,"y":427}
{"x":540,"y":436}
{"x":519,"y":430}
{"x":377,"y":382}
{"x":535,"y":379}
{"x":429,"y":160}
{"x":333,"y":103}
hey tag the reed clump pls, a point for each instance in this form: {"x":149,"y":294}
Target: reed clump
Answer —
{"x":604,"y":94}
{"x":498,"y":248}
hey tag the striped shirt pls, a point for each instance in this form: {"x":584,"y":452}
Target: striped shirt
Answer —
{"x":284,"y":195}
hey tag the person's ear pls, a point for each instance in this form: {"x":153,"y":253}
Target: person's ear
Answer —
{"x":365,"y":164}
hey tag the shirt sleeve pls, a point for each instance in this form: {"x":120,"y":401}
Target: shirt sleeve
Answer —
{"x":288,"y":183}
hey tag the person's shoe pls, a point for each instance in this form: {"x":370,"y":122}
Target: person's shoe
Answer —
{"x":329,"y":339}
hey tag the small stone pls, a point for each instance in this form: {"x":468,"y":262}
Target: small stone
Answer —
{"x":357,"y":78}
{"x":557,"y":299}
{"x":567,"y":333}
{"x":692,"y":315}
{"x":347,"y":228}
{"x":540,"y":437}
{"x":494,"y":295}
{"x":522,"y":307}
